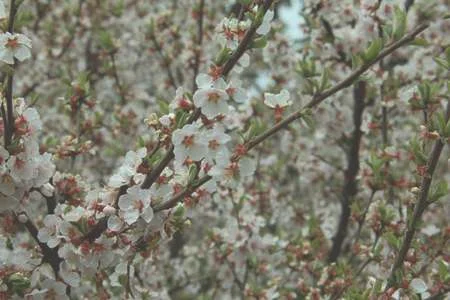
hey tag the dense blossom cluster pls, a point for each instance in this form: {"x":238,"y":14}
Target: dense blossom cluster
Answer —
{"x":136,"y":167}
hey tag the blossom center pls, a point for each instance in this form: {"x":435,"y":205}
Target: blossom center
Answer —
{"x":12,"y":43}
{"x":213,"y":144}
{"x":139,"y":205}
{"x":188,"y":140}
{"x":19,"y":164}
{"x":213,"y":97}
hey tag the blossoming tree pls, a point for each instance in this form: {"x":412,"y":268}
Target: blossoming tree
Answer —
{"x":191,"y":150}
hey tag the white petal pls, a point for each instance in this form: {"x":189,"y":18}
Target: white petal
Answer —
{"x":148,"y":214}
{"x":203,"y":80}
{"x":131,"y":216}
{"x":7,"y":56}
{"x":22,"y":53}
{"x":247,"y":166}
{"x":114,"y":223}
{"x":53,"y":242}
{"x":418,"y":285}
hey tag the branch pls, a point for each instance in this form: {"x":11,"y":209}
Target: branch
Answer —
{"x":50,"y":255}
{"x":340,"y":86}
{"x":420,"y":207}
{"x":120,"y":87}
{"x":243,"y":46}
{"x":351,"y":186}
{"x":165,"y":60}
{"x":296,"y":115}
{"x":154,"y":174}
{"x":9,"y":117}
{"x":199,"y":42}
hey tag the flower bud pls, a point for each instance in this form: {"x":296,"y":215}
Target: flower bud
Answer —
{"x":23,"y":218}
{"x":415,"y":190}
{"x":47,"y":190}
{"x":109,"y":210}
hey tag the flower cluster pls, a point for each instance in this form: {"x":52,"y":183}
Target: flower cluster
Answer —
{"x":23,"y":167}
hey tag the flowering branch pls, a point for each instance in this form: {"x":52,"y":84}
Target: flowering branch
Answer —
{"x":298,"y":114}
{"x":319,"y":98}
{"x":420,"y":206}
{"x":228,"y":66}
{"x":50,"y":255}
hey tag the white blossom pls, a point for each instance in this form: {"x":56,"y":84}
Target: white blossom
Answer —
{"x":189,"y":142}
{"x":264,"y":28}
{"x":277,"y":100}
{"x":136,"y":203}
{"x":14,"y":45}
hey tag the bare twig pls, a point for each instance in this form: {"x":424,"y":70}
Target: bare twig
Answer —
{"x":165,"y":60}
{"x":198,"y":46}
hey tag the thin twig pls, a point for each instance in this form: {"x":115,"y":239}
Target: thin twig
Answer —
{"x":165,"y":60}
{"x":198,"y":46}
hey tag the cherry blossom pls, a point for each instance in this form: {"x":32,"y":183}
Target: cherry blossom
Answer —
{"x":189,"y":143}
{"x":277,"y":100}
{"x":128,"y":170}
{"x":49,"y":234}
{"x":134,"y":204}
{"x":14,"y":45}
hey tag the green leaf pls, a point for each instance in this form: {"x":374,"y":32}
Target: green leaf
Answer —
{"x":373,"y":50}
{"x":357,"y":61}
{"x":193,"y":172}
{"x":223,"y":56}
{"x":399,"y":23}
{"x":255,"y":128}
{"x":442,"y":62}
{"x":180,"y":118}
{"x":106,"y":41}
{"x":18,"y":283}
{"x":439,"y":123}
{"x":438,"y":191}
{"x":307,"y":118}
{"x":259,"y":43}
{"x":117,"y":10}
{"x":420,"y":157}
{"x":163,"y":107}
{"x":420,"y":42}
{"x":324,"y":81}
{"x":393,"y":241}
{"x":447,"y":129}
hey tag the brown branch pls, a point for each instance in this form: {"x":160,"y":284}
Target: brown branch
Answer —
{"x":165,"y":60}
{"x":341,"y":85}
{"x":198,"y":46}
{"x":243,"y":45}
{"x":9,"y":128}
{"x":120,"y":87}
{"x":50,"y":255}
{"x":351,"y":185}
{"x":420,"y":207}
